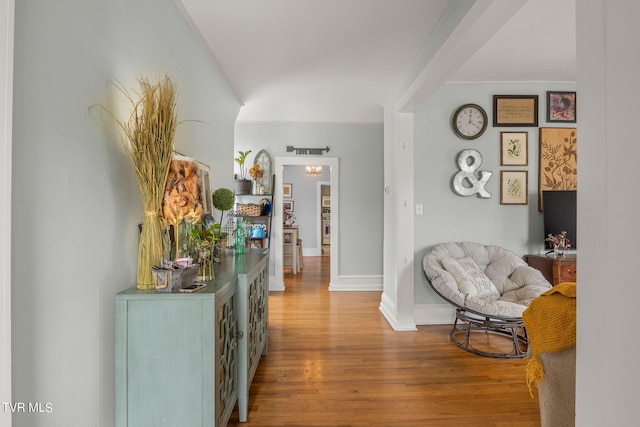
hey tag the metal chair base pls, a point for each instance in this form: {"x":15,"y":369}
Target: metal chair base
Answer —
{"x":512,"y":328}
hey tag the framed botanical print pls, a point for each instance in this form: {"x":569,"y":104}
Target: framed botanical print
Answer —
{"x":558,"y":163}
{"x":513,"y":188}
{"x":514,"y":149}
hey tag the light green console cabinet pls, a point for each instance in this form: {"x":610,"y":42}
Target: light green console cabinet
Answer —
{"x":253,"y":297}
{"x":183,"y":358}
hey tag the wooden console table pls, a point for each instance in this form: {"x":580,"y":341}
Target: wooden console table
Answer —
{"x":554,"y":269}
{"x":184,"y":359}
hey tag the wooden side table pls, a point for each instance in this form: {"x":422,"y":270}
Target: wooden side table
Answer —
{"x":554,"y":269}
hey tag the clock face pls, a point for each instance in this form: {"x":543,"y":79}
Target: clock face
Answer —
{"x":469,"y":121}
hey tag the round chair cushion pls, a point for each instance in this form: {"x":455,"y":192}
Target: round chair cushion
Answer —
{"x":516,"y":282}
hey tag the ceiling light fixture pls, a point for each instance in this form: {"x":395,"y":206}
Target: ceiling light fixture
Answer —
{"x":314,"y":170}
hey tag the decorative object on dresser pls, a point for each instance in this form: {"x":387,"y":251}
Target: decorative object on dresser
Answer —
{"x":183,"y":196}
{"x":223,"y":201}
{"x":148,"y":139}
{"x":184,"y":359}
{"x":555,"y":269}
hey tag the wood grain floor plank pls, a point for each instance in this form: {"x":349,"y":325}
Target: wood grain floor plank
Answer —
{"x":334,"y":361}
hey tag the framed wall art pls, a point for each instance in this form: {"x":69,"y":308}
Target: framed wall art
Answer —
{"x":558,"y":161}
{"x":514,"y":149}
{"x":204,"y":171}
{"x":513,"y":188}
{"x":561,"y":107}
{"x":515,"y":110}
{"x":287,"y":205}
{"x":287,"y":191}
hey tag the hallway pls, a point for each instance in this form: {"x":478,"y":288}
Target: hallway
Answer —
{"x":333,"y":360}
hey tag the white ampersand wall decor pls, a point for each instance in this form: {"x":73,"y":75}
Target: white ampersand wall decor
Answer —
{"x":465,"y":182}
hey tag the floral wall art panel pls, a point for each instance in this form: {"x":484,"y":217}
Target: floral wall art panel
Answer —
{"x":558,"y":160}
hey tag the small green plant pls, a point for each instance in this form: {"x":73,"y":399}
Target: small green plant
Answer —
{"x":242,"y":156}
{"x":223,"y":200}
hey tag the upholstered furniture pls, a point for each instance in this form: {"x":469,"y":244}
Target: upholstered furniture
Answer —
{"x":551,"y":324}
{"x":490,"y":288}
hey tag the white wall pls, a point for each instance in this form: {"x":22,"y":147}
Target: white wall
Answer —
{"x":6,"y":109}
{"x":76,"y":205}
{"x":608,"y":204}
{"x":359,"y":149}
{"x":449,"y":217}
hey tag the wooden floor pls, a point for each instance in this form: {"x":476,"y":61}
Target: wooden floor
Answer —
{"x":333,"y":360}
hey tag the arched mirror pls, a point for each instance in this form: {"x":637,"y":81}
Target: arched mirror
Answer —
{"x":264,"y":161}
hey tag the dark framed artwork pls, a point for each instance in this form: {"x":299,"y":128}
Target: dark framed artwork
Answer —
{"x":515,"y":110}
{"x":561,"y":107}
{"x":287,"y":205}
{"x":513,"y":188}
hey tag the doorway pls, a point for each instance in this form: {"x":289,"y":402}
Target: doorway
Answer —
{"x":324,"y":217}
{"x":332,"y":164}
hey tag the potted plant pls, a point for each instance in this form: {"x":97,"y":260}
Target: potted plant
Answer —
{"x":202,"y":243}
{"x":242,"y":184}
{"x":223,"y":200}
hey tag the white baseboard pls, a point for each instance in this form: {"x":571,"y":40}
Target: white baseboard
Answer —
{"x":273,"y":286}
{"x":387,"y":308}
{"x":434,"y":314}
{"x":311,"y":251}
{"x":357,"y":283}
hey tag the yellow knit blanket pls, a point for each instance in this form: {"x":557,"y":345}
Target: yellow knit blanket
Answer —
{"x":550,"y":321}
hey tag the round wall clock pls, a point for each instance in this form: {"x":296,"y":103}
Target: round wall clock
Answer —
{"x":469,"y":121}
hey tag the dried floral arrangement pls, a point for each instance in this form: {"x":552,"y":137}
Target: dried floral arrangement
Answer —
{"x":148,"y":139}
{"x":256,"y":171}
{"x":182,"y":195}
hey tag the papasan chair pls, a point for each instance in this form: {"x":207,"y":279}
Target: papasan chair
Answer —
{"x":490,"y":288}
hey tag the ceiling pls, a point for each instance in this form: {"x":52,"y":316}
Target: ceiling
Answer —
{"x":339,"y":60}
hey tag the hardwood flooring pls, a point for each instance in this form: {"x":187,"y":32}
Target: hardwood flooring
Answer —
{"x":333,"y":360}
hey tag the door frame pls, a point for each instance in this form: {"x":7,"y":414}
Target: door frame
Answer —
{"x":333,"y":164}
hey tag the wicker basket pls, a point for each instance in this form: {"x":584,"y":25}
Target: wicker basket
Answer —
{"x":249,"y":209}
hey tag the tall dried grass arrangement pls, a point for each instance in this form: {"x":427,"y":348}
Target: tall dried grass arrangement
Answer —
{"x":148,"y":137}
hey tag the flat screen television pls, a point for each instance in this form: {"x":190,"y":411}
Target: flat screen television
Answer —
{"x":560,"y":210}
